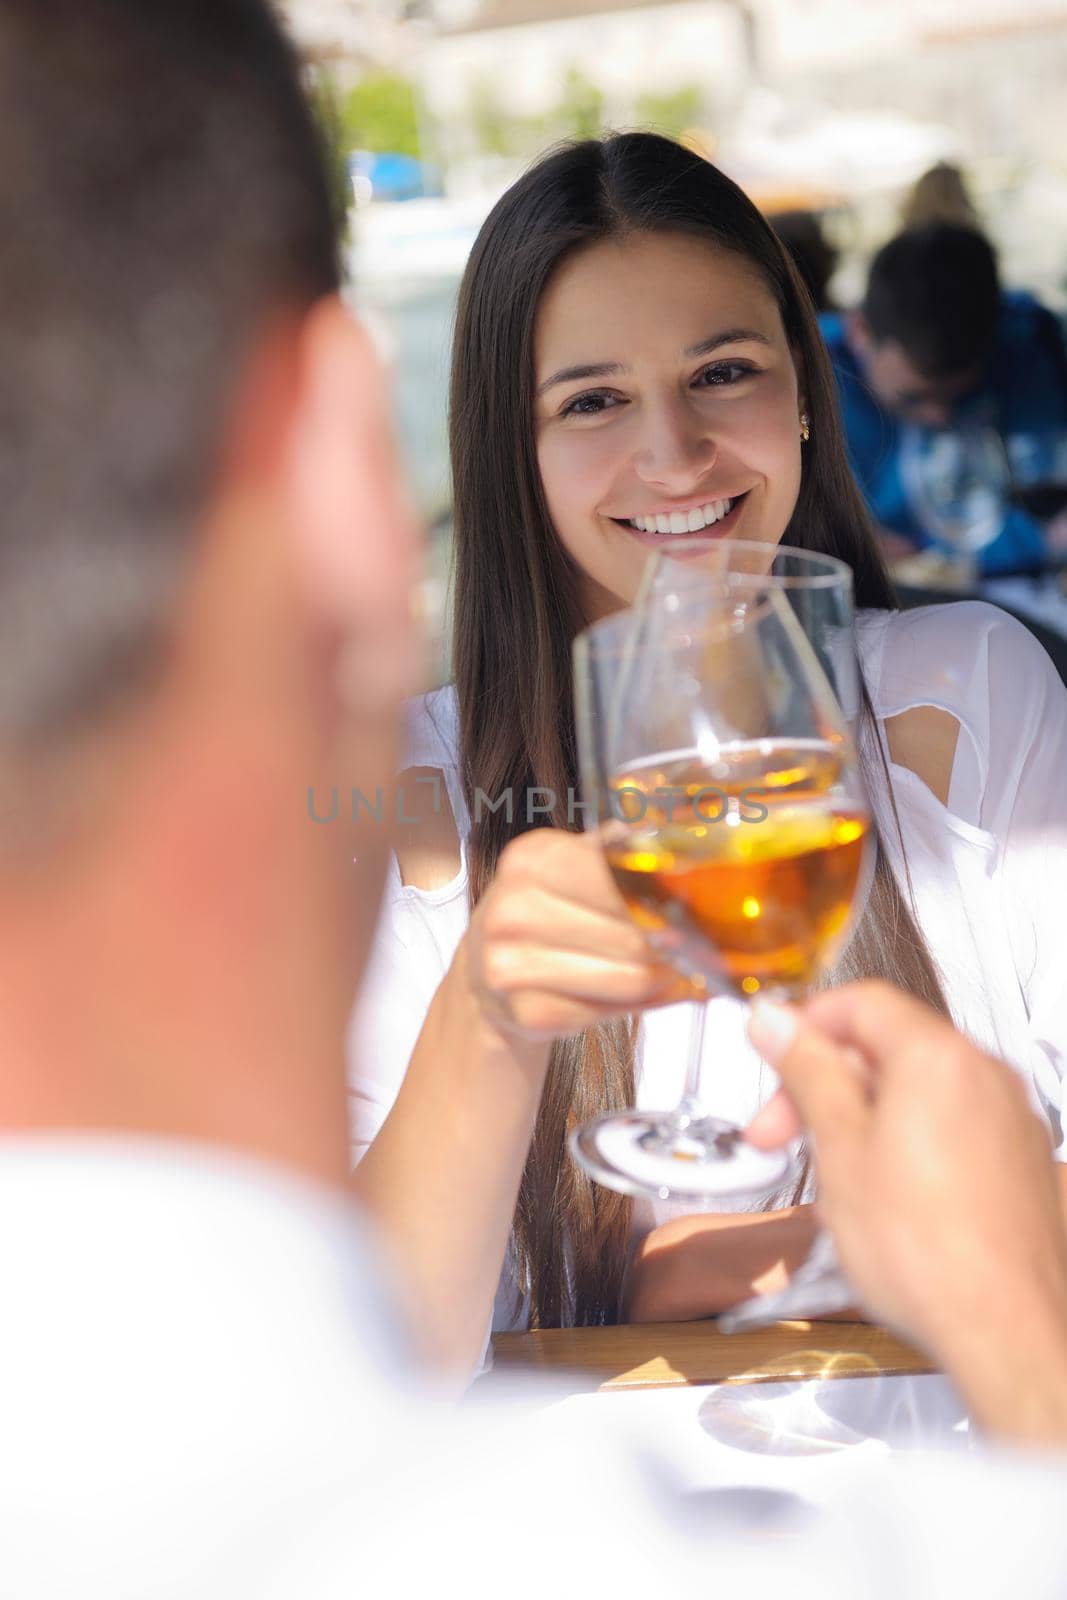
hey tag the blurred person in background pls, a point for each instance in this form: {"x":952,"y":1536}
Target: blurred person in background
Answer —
{"x":938,"y":355}
{"x":814,"y":257}
{"x":940,"y":195}
{"x":207,"y":571}
{"x":635,"y":356}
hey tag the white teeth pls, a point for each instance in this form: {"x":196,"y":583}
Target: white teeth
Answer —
{"x":684,"y":521}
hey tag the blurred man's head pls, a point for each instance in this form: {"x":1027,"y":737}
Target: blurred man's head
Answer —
{"x":204,"y":566}
{"x":928,"y":319}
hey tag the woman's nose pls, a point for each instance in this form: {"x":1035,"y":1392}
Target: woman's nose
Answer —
{"x":676,"y":448}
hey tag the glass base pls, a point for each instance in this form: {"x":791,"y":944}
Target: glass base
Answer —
{"x":659,"y":1153}
{"x":818,"y":1289}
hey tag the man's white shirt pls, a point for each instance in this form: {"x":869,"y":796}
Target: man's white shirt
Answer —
{"x":204,"y":1392}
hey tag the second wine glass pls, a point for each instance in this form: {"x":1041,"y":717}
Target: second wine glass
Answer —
{"x":722,"y":773}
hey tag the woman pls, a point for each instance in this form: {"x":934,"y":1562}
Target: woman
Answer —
{"x":632,"y":343}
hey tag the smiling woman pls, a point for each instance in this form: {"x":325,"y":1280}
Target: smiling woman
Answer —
{"x":635,"y":356}
{"x":688,"y":432}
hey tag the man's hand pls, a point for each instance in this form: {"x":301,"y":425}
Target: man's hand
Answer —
{"x":936,"y":1181}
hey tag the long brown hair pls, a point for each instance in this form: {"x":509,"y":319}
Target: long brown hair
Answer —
{"x":517,"y":612}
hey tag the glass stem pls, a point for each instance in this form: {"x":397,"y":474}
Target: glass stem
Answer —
{"x":690,"y":1109}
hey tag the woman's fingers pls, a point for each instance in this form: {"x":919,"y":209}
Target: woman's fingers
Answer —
{"x":571,"y":864}
{"x":541,"y":915}
{"x":554,"y":947}
{"x":584,"y":975}
{"x":541,"y":1017}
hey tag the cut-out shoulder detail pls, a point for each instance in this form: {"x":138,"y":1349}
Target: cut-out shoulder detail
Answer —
{"x":924,"y":739}
{"x":427,"y":846}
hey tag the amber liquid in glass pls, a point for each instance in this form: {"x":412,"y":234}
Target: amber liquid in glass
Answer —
{"x":747,"y":864}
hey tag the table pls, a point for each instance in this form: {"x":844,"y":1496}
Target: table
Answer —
{"x":672,"y":1354}
{"x":780,"y":1416}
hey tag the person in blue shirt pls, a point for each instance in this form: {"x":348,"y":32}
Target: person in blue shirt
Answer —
{"x":938,"y":358}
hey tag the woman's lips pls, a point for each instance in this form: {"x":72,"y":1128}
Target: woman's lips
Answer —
{"x":722,"y":529}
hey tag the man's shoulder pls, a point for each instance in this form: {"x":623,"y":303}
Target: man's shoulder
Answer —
{"x":1021,"y":303}
{"x":1024,"y":320}
{"x":1028,"y":368}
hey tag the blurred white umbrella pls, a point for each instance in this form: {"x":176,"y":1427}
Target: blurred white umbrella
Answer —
{"x":778,"y":141}
{"x":356,"y":28}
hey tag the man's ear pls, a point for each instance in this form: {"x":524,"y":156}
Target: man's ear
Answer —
{"x":354,"y":537}
{"x":352,"y":525}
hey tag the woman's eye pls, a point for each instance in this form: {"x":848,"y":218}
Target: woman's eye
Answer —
{"x":723,"y":374}
{"x":588,"y":405}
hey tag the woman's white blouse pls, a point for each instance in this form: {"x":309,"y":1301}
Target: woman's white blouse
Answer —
{"x":988,"y":879}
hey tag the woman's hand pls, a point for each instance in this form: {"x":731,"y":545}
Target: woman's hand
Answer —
{"x":698,"y":1266}
{"x":551,"y":949}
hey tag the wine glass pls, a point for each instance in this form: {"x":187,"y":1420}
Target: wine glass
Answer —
{"x":818,"y":589}
{"x":959,"y":482}
{"x":1038,"y":458}
{"x":725,"y":783}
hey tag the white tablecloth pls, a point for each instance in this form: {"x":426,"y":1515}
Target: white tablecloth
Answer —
{"x":776,"y":1447}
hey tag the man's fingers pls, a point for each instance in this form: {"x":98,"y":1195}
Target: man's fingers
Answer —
{"x":821,"y":1079}
{"x":877,"y":1020}
{"x":777,"y":1123}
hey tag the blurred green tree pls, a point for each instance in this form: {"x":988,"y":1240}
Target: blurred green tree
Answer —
{"x":497,"y":132}
{"x":326,"y":105}
{"x":379,"y":114}
{"x":673,"y":113}
{"x":577,"y":114}
{"x":580,"y":112}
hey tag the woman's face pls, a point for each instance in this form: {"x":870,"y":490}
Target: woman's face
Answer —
{"x":665,"y":389}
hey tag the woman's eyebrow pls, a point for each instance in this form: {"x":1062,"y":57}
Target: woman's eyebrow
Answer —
{"x":612,"y":369}
{"x":728,"y":336}
{"x":607,"y":369}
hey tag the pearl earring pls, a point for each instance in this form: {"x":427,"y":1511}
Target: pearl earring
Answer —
{"x":805,"y":427}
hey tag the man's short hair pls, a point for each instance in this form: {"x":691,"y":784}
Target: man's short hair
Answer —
{"x":162,"y":193}
{"x":935,"y":291}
